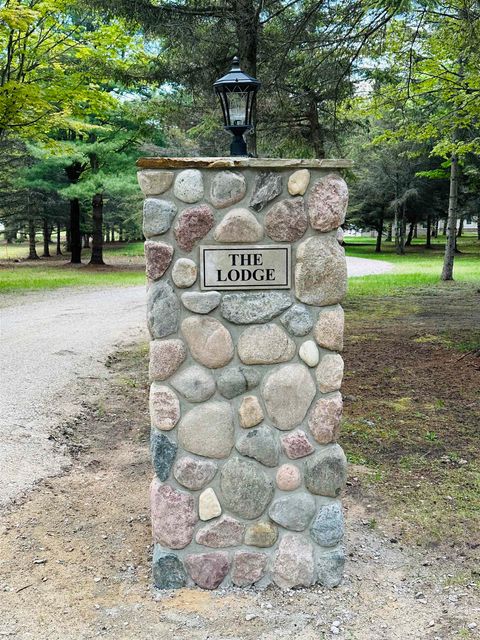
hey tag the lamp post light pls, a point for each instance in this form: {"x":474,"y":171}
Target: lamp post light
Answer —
{"x":237,"y":91}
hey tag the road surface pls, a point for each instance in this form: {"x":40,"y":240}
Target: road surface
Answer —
{"x":52,"y":343}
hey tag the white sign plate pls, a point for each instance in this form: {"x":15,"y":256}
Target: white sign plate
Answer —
{"x":243,"y":267}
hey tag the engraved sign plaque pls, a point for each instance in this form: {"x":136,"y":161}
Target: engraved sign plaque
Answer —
{"x":235,"y":267}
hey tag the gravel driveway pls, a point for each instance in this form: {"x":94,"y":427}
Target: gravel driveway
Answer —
{"x":51,"y":344}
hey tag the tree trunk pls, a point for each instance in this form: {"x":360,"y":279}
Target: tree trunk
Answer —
{"x":86,"y":241}
{"x":120,"y":233}
{"x":460,"y":227}
{"x":415,"y":231}
{"x":399,"y":231}
{"x":97,"y":235}
{"x":75,"y":235}
{"x":444,"y":231}
{"x":435,"y":228}
{"x":428,"y":243}
{"x":32,"y":250}
{"x":447,"y":271}
{"x":246,"y":26}
{"x":408,"y":242}
{"x":378,"y":243}
{"x":68,"y":237}
{"x":46,"y":238}
{"x":317,"y":137}
{"x":389,"y":232}
{"x":59,"y":244}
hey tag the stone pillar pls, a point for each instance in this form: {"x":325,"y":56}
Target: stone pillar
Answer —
{"x":245,"y":280}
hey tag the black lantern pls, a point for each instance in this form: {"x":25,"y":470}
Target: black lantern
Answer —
{"x":237,"y":91}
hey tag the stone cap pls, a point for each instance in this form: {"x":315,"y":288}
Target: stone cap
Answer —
{"x":251,"y":163}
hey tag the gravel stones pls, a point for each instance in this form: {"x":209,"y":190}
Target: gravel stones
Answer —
{"x":208,"y":505}
{"x":267,"y":187}
{"x":164,"y":407}
{"x":239,"y":225}
{"x":246,"y":489}
{"x":248,"y":567}
{"x":202,"y":303}
{"x":163,"y":452}
{"x":163,"y":309}
{"x":324,"y":418}
{"x":165,"y":358}
{"x":194,"y":474}
{"x":288,"y":392}
{"x":173,"y":516}
{"x":208,"y":570}
{"x":261,"y":444}
{"x":296,"y":445}
{"x":297,"y":320}
{"x":294,"y":564}
{"x":192,"y":225}
{"x":326,"y":471}
{"x":261,"y":534}
{"x":236,"y":380}
{"x":209,"y":341}
{"x":189,"y":186}
{"x":328,"y":330}
{"x":293,"y":512}
{"x":157,"y":216}
{"x":328,"y":526}
{"x":308,"y":352}
{"x":227,"y":189}
{"x":265,"y":344}
{"x":250,"y":412}
{"x":252,"y":308}
{"x":288,"y":477}
{"x":184,"y":273}
{"x":327,"y":203}
{"x":286,"y":221}
{"x":298,"y":182}
{"x":330,"y":564}
{"x":329,"y":372}
{"x":167,"y":569}
{"x":225,"y":532}
{"x":195,"y":383}
{"x":207,"y":430}
{"x":321,"y":271}
{"x":154,"y":183}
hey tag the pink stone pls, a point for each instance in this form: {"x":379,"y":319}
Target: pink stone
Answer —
{"x":173,"y":515}
{"x":193,"y":224}
{"x":288,"y":477}
{"x":158,"y":256}
{"x":248,"y":567}
{"x":286,"y":221}
{"x":296,"y":445}
{"x":294,"y":564}
{"x":225,"y":532}
{"x":164,"y":407}
{"x":328,"y":330}
{"x":324,"y":418}
{"x":165,"y":358}
{"x":327,"y":202}
{"x":207,"y":569}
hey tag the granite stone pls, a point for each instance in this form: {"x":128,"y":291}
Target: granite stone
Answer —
{"x":254,"y":308}
{"x":248,"y":567}
{"x":188,"y":186}
{"x":293,"y":512}
{"x":163,"y":309}
{"x":261,"y":444}
{"x":265,"y":344}
{"x":297,"y":320}
{"x":153,"y":183}
{"x":327,"y":203}
{"x":250,"y":412}
{"x":328,"y":330}
{"x":296,"y":445}
{"x":158,"y":256}
{"x":326,"y":471}
{"x":164,"y":407}
{"x":184,"y":273}
{"x":163,"y":452}
{"x":288,"y":477}
{"x":207,"y":430}
{"x":288,"y":392}
{"x":286,"y":221}
{"x":224,"y":532}
{"x":328,"y":526}
{"x":329,"y":372}
{"x":320,"y":271}
{"x":207,"y":570}
{"x":209,"y":341}
{"x":294,"y":564}
{"x":167,"y":569}
{"x":201,"y":302}
{"x":238,"y":225}
{"x":194,"y":474}
{"x":173,"y":515}
{"x":227,"y":189}
{"x":324,"y":418}
{"x":158,"y":216}
{"x":329,"y":565}
{"x":267,"y":186}
{"x":192,"y":225}
{"x":246,"y":489}
{"x":165,"y":358}
{"x":195,"y":383}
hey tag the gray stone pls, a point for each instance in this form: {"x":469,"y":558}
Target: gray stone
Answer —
{"x":203,"y":303}
{"x":308,"y":352}
{"x":195,"y":383}
{"x":239,"y":225}
{"x":194,"y":474}
{"x":246,"y":489}
{"x":209,"y":341}
{"x":173,"y":515}
{"x":227,"y":189}
{"x":167,"y":569}
{"x":184,"y":273}
{"x":154,"y":182}
{"x":297,"y":320}
{"x":157,"y":216}
{"x":261,"y":444}
{"x":236,"y":380}
{"x":254,"y":308}
{"x":321,"y":271}
{"x":265,"y":344}
{"x":288,"y":392}
{"x":267,"y":187}
{"x":330,"y":564}
{"x":225,"y":532}
{"x":189,"y":186}
{"x":208,"y":430}
{"x":327,"y":202}
{"x":208,"y":570}
{"x":328,"y":330}
{"x":329,"y":372}
{"x":163,"y":452}
{"x":294,"y":564}
{"x":163,"y":309}
{"x":326,"y":471}
{"x":286,"y":221}
{"x":293,"y":512}
{"x":328,"y":527}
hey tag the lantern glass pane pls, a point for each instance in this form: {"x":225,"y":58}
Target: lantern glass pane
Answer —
{"x":237,"y":103}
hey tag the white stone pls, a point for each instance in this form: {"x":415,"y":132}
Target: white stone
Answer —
{"x":189,"y":186}
{"x":239,"y":225}
{"x":329,"y":372}
{"x":298,"y":182}
{"x":184,"y":273}
{"x":265,"y":344}
{"x":208,"y":505}
{"x":153,"y":182}
{"x":308,"y":352}
{"x":288,"y":392}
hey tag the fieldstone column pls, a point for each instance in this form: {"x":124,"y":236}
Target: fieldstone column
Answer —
{"x":245,"y":280}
